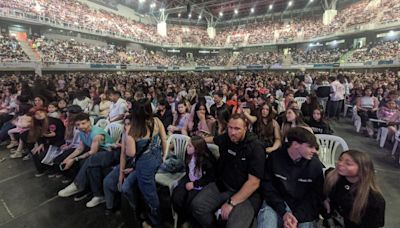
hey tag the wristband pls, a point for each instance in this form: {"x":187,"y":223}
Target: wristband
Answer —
{"x":230,"y":202}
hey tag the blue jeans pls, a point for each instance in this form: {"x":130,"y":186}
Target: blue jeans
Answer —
{"x":268,"y":218}
{"x":4,"y":130}
{"x":144,"y":174}
{"x":110,"y":186}
{"x":91,"y":171}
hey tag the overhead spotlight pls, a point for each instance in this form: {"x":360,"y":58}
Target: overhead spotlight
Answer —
{"x":179,"y":15}
{"x":290,"y":3}
{"x":252,"y":10}
{"x":236,"y":11}
{"x":270,"y":6}
{"x":190,"y":15}
{"x":141,"y":1}
{"x":221,"y":14}
{"x":311,"y":0}
{"x":153,"y":5}
{"x":162,"y":10}
{"x":199,"y":16}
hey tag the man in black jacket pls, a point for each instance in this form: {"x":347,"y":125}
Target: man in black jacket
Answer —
{"x":293,"y":183}
{"x":240,"y":167}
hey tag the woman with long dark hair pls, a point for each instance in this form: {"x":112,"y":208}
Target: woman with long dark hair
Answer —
{"x":293,"y":118}
{"x":267,"y":129}
{"x":180,"y":118}
{"x":200,"y":165}
{"x":141,"y":142}
{"x":197,"y":123}
{"x":352,"y":191}
{"x":318,"y":123}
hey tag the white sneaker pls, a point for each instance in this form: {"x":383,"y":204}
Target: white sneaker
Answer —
{"x":12,"y":144}
{"x":17,"y":154}
{"x":95,"y":201}
{"x":68,"y":191}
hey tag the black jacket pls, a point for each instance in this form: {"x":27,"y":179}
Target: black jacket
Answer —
{"x":319,"y":127}
{"x":299,"y":185}
{"x":342,"y":199}
{"x":207,"y":171}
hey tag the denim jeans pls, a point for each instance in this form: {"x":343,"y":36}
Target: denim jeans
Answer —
{"x":334,"y":108}
{"x":268,"y":218}
{"x":110,"y":186}
{"x":144,"y":174}
{"x":210,"y":199}
{"x":4,"y":130}
{"x":90,"y":172}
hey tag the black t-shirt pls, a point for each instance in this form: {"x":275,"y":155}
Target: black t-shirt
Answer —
{"x":56,"y":126}
{"x":237,"y":161}
{"x":214,"y":109}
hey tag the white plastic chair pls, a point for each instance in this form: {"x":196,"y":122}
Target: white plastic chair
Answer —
{"x":356,"y":119}
{"x":382,"y":132}
{"x":102,"y":123}
{"x":396,"y":143}
{"x":346,"y":108}
{"x":300,"y":100}
{"x":214,"y":150}
{"x":171,"y":180}
{"x":115,"y":130}
{"x":91,"y":120}
{"x":328,"y":145}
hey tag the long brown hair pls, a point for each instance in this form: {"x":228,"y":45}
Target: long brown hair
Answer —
{"x":142,"y":118}
{"x":201,"y":152}
{"x":265,"y":129}
{"x":366,"y":183}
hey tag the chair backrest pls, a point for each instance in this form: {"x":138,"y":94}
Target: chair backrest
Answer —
{"x":180,"y":143}
{"x":328,"y":145}
{"x":115,"y":130}
{"x":214,"y":149}
{"x":91,"y":120}
{"x":300,"y":100}
{"x":102,"y":123}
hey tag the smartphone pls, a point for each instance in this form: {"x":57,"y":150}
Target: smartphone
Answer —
{"x":62,"y":166}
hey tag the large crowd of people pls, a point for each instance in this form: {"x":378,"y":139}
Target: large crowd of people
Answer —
{"x":380,"y":50}
{"x":79,"y":15}
{"x":10,"y":49}
{"x":266,"y":171}
{"x":317,"y":55}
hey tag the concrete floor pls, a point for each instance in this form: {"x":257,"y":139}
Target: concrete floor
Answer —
{"x":26,"y":201}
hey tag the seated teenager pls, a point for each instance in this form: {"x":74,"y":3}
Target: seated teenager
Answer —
{"x":197,"y":123}
{"x":200,"y":165}
{"x":181,"y":118}
{"x":318,"y":123}
{"x":92,"y":152}
{"x":50,"y":132}
{"x":293,"y":182}
{"x":352,"y":191}
{"x":293,"y":118}
{"x":391,"y":114}
{"x":267,"y":129}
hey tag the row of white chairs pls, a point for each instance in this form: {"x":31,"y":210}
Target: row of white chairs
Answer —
{"x":382,"y":132}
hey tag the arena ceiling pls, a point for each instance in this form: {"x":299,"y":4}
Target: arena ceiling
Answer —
{"x":224,"y":10}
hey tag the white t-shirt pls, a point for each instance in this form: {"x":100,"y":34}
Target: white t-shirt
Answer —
{"x":118,"y":108}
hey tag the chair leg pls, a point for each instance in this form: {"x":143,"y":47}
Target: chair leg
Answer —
{"x":384,"y":133}
{"x":378,"y":134}
{"x":395,"y":147}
